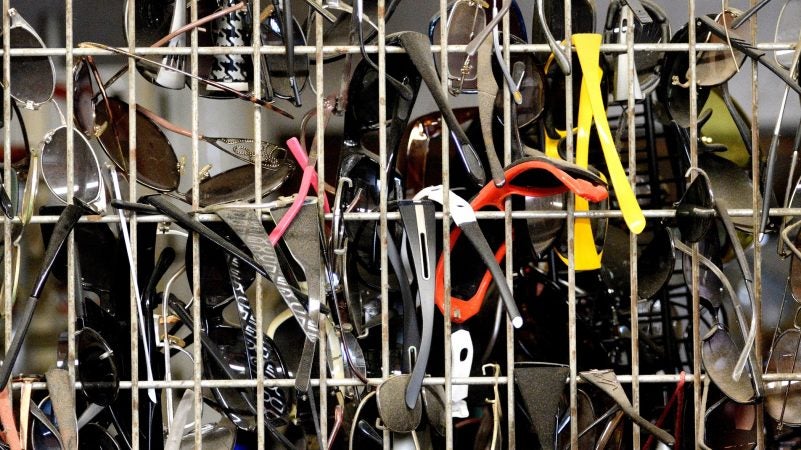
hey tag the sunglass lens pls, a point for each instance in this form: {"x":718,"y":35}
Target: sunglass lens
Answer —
{"x":237,"y":184}
{"x":692,"y":225}
{"x":41,"y":436}
{"x":86,"y":172}
{"x":731,"y":425}
{"x":83,"y":93}
{"x":96,"y":368}
{"x":465,"y":21}
{"x":277,"y":63}
{"x":719,"y":355}
{"x":715,"y":67}
{"x":32,"y":77}
{"x":543,"y":231}
{"x":156,"y":163}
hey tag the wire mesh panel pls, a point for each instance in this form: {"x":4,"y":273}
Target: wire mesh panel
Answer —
{"x":245,"y":227}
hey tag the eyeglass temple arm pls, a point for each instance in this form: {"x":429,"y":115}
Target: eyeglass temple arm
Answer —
{"x":161,"y":203}
{"x":472,"y":46}
{"x":559,"y":52}
{"x":742,"y":18}
{"x":202,"y":21}
{"x":251,"y":98}
{"x":66,"y":222}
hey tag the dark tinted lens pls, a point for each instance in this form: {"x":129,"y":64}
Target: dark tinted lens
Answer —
{"x":96,"y":369}
{"x":87,"y":178}
{"x":98,"y":436}
{"x":41,"y":437}
{"x":693,"y":225}
{"x":465,"y":21}
{"x":83,"y":93}
{"x":277,"y":63}
{"x":655,"y":263}
{"x":731,"y":425}
{"x":237,"y":184}
{"x":156,"y":163}
{"x":32,"y":77}
{"x":532,"y":86}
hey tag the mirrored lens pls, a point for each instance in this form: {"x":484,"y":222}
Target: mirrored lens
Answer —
{"x":86,"y":171}
{"x":96,"y":368}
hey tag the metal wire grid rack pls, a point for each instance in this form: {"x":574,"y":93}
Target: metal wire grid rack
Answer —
{"x":136,"y":385}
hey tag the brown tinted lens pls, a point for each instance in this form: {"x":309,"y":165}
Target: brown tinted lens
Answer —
{"x":715,"y":67}
{"x":464,"y":22}
{"x":156,"y":163}
{"x":237,"y":184}
{"x":731,"y":425}
{"x":33,"y":78}
{"x":82,"y":93}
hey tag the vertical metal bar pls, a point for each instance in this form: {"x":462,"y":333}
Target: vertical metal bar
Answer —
{"x":382,"y":202}
{"x":197,"y":372}
{"x":633,"y":297}
{"x":257,"y":169}
{"x":695,"y":309}
{"x":131,"y":25}
{"x":510,"y":333}
{"x":756,"y":216}
{"x":446,"y":231}
{"x":571,"y":245}
{"x":8,"y":288}
{"x":71,"y":255}
{"x":320,"y":151}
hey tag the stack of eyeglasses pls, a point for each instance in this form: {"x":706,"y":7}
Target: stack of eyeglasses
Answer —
{"x":579,"y":255}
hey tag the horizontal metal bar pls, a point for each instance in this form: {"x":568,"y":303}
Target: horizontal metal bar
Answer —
{"x":497,"y":215}
{"x":342,"y":49}
{"x":429,"y":381}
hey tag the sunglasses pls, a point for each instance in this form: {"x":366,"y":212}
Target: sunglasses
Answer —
{"x":673,"y":89}
{"x":529,"y":177}
{"x":342,"y":31}
{"x":693,"y":227}
{"x":717,"y":68}
{"x":781,"y":396}
{"x":619,"y":22}
{"x":466,"y":21}
{"x":33,"y":78}
{"x":287,"y":74}
{"x":551,"y":30}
